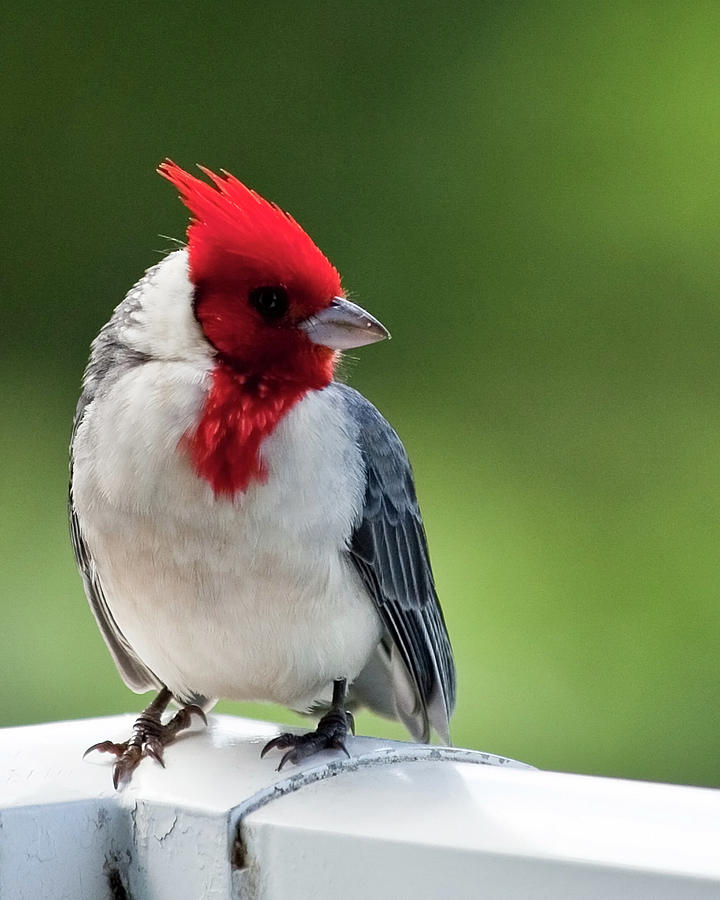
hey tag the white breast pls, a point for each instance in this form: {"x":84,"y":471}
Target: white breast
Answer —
{"x":244,"y":598}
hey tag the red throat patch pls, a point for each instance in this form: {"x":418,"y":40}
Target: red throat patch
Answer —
{"x":240,"y":411}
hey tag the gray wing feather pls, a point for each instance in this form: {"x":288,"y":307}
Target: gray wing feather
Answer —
{"x":134,"y":672}
{"x":389,"y":549}
{"x":109,"y":356}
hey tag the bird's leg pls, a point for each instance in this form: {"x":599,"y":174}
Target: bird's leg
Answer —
{"x":149,"y":736}
{"x":330,"y":733}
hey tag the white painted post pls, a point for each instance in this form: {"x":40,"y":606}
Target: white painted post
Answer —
{"x":396,"y":821}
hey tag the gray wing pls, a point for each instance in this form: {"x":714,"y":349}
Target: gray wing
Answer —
{"x":389,"y":549}
{"x":134,"y":672}
{"x":108,"y":356}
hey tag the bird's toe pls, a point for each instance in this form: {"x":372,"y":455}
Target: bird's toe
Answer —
{"x":107,"y":747}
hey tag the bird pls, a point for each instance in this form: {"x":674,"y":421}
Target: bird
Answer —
{"x":245,"y":523}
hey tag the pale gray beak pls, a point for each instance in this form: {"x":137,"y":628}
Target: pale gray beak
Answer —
{"x":343,"y":325}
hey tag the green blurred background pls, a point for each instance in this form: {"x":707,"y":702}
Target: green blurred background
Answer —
{"x":528,"y":195}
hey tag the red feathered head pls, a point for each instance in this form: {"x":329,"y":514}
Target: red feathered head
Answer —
{"x":246,"y":253}
{"x":236,"y":235}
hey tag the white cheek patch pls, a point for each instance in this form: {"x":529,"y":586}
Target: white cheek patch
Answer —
{"x":164,"y":326}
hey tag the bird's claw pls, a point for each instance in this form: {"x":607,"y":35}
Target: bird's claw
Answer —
{"x":149,"y":738}
{"x":183,"y":719}
{"x":107,"y":747}
{"x":330,"y":735}
{"x":154,"y":749}
{"x":277,"y":743}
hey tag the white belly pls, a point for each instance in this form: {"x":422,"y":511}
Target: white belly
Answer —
{"x":244,"y":598}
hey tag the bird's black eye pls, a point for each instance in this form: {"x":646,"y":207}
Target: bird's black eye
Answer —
{"x":271,"y":301}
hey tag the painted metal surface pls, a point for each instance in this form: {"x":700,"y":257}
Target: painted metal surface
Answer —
{"x":395,"y":821}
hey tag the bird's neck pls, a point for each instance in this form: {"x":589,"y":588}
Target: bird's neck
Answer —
{"x":240,"y":411}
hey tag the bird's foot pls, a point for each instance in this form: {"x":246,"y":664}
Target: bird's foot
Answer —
{"x":149,"y":737}
{"x":330,"y":734}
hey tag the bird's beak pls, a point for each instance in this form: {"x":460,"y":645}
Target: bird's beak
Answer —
{"x":343,"y":325}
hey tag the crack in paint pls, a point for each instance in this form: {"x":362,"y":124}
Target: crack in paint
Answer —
{"x":386,"y":756}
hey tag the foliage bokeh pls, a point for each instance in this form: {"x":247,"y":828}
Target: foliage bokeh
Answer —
{"x":528,"y":195}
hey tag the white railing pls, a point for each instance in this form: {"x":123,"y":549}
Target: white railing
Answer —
{"x":395,"y":821}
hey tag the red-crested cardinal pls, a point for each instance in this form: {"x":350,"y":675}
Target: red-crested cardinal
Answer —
{"x":246,"y":526}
